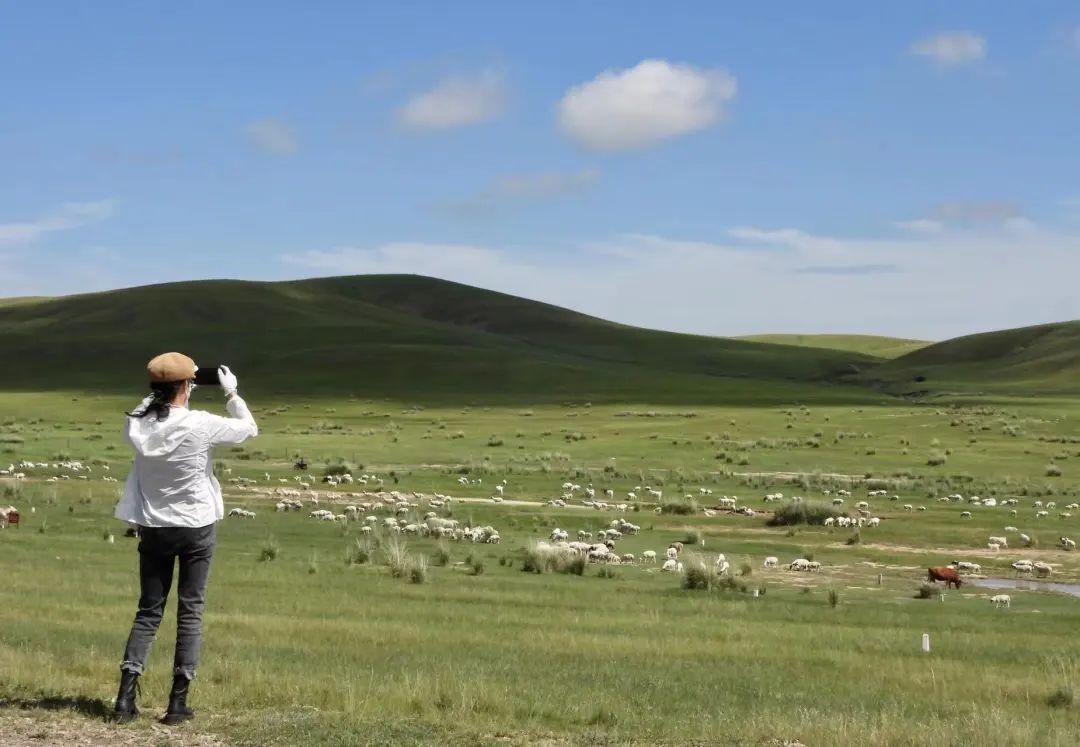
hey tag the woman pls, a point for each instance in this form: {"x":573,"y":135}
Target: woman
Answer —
{"x":172,"y":495}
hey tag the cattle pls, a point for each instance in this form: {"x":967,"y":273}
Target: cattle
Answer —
{"x":948,"y":575}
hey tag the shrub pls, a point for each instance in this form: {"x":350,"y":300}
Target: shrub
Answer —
{"x":1052,"y":470}
{"x":699,"y":574}
{"x":417,"y":569}
{"x":358,"y":553}
{"x":927,"y":591}
{"x":607,"y":572}
{"x":477,"y":568}
{"x":694,"y":537}
{"x":855,"y":538}
{"x":574,"y":565}
{"x":745,"y":569}
{"x":802,"y":512}
{"x":682,"y":508}
{"x":834,"y":598}
{"x":313,"y":564}
{"x":395,"y":554}
{"x":270,"y":550}
{"x":1063,"y":697}
{"x":441,"y":556}
{"x":936,"y":459}
{"x":338,"y":469}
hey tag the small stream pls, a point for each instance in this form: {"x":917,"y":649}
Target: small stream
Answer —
{"x":1023,"y":583}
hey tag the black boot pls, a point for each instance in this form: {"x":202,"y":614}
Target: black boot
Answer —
{"x":178,"y":711}
{"x":125,"y":710}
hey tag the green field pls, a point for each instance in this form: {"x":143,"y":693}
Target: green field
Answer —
{"x":307,"y":649}
{"x":874,"y":345}
{"x":313,"y":637}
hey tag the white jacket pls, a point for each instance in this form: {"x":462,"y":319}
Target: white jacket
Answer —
{"x":172,"y":482}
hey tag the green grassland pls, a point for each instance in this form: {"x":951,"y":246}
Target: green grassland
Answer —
{"x":424,"y":383}
{"x":308,"y":649}
{"x":873,"y":345}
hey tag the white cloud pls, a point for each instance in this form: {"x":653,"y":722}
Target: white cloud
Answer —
{"x":951,"y":48}
{"x":524,"y":188}
{"x":921,"y":225}
{"x":771,"y":280}
{"x":643,"y":105}
{"x":456,"y":101}
{"x":273,"y":136}
{"x":68,"y":216}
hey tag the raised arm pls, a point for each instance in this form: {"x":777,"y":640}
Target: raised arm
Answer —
{"x":240,"y":425}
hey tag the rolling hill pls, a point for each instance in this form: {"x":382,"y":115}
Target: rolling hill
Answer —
{"x":877,"y":346}
{"x":398,"y":336}
{"x":1043,"y":359}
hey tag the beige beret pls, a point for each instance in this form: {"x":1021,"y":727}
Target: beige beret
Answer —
{"x":171,"y":367}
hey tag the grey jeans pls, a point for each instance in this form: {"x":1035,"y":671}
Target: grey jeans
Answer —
{"x":159,"y":550}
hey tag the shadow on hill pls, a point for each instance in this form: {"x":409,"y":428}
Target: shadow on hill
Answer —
{"x":95,"y":707}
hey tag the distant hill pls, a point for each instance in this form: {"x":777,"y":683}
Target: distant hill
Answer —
{"x":398,"y":336}
{"x":1044,"y":359}
{"x":879,"y":347}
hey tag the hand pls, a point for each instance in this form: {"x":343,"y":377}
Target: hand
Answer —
{"x":228,"y":380}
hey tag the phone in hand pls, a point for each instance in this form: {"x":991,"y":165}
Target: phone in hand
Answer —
{"x":207,"y":376}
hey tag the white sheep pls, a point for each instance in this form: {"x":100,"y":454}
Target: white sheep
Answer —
{"x":1001,"y":600}
{"x":772,"y":561}
{"x":649,"y":556}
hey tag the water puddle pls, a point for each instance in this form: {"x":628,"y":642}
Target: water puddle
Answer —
{"x":1023,"y":583}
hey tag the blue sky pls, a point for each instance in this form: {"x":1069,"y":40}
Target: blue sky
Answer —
{"x":908,"y":169}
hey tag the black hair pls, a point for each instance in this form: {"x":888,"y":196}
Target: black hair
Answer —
{"x":162,"y":393}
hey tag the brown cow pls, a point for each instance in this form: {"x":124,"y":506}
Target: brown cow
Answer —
{"x":948,"y":575}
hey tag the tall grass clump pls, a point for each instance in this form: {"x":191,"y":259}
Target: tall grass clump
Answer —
{"x":417,"y":569}
{"x":699,"y":574}
{"x":683,"y":507}
{"x":543,"y":557}
{"x":802,"y":512}
{"x":358,"y":553}
{"x":927,"y":591}
{"x":270,"y":550}
{"x":1052,"y":470}
{"x":834,"y":598}
{"x":395,"y":555}
{"x":441,"y":556}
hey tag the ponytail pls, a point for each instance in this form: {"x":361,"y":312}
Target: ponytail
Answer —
{"x":161,"y":395}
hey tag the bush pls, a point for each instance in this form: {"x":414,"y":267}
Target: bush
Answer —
{"x":270,"y":550}
{"x":1052,"y":470}
{"x":417,"y":569}
{"x":1063,"y":697}
{"x":802,"y":512}
{"x":927,"y":591}
{"x":441,"y":556}
{"x":477,"y":568}
{"x":358,"y":553}
{"x":694,"y":537}
{"x":699,"y":574}
{"x":680,"y":508}
{"x":338,"y":469}
{"x":855,"y":538}
{"x":936,"y":459}
{"x":745,"y":569}
{"x":607,"y":572}
{"x":543,"y":557}
{"x":834,"y":598}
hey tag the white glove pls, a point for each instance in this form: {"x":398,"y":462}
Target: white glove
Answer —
{"x":227,"y":379}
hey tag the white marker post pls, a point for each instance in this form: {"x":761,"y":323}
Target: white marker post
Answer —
{"x":926,"y":643}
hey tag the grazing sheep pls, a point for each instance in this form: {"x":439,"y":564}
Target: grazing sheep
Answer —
{"x":649,"y":556}
{"x":1067,"y":544}
{"x":671,"y":564}
{"x":799,"y":564}
{"x":998,"y":541}
{"x":1042,"y":570}
{"x":671,"y":553}
{"x":1001,"y":600}
{"x":1025,"y":540}
{"x":1023,"y":566}
{"x":772,"y":561}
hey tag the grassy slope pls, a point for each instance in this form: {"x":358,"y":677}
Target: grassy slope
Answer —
{"x":391,"y":336}
{"x":1028,"y":360}
{"x":875,"y":345}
